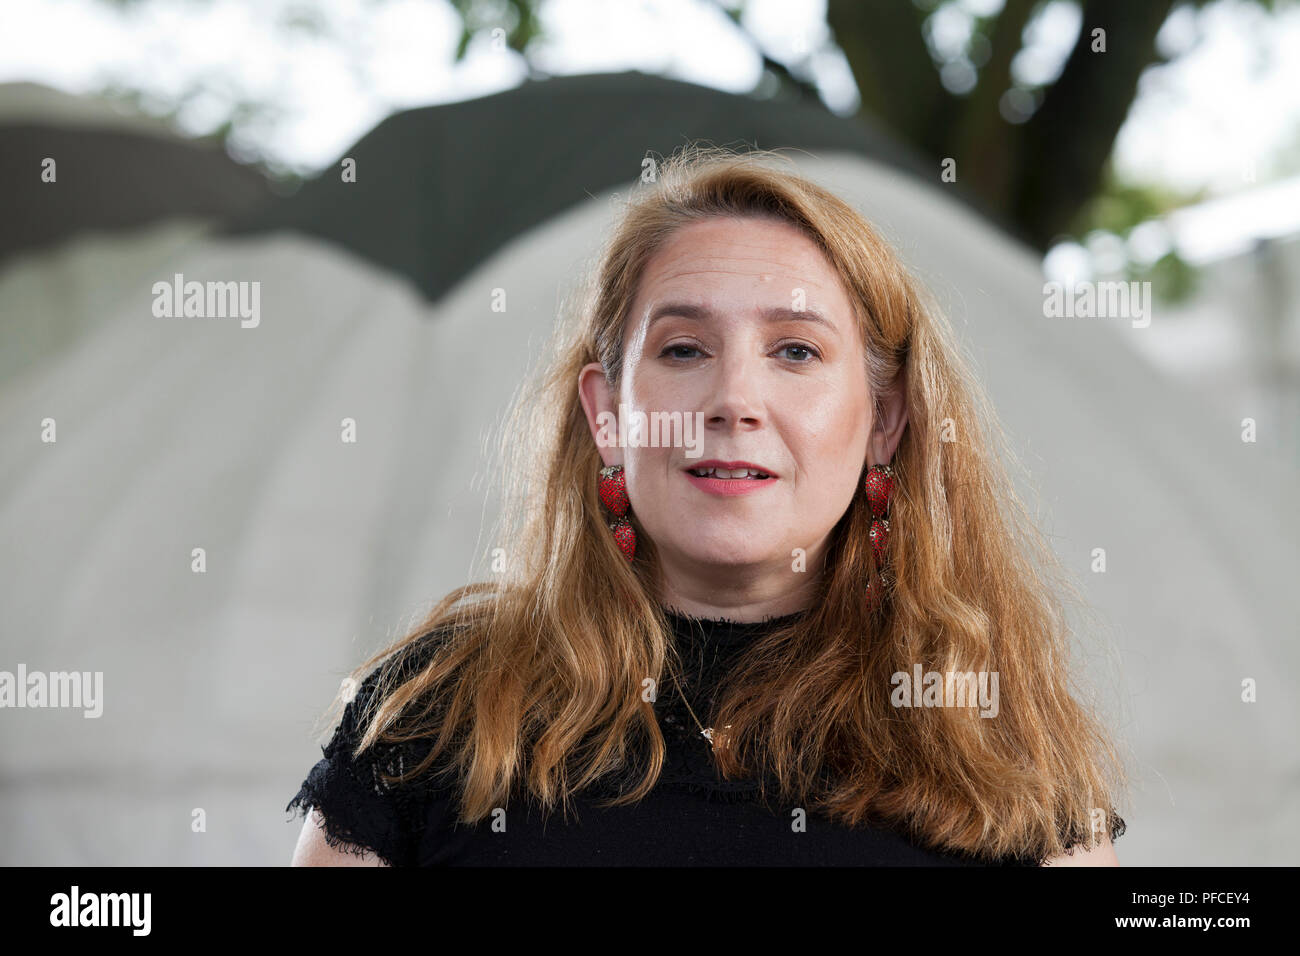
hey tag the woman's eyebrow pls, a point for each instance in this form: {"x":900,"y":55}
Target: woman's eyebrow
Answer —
{"x":701,"y":313}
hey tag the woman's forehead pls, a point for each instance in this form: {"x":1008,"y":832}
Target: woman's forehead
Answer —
{"x":734,"y":264}
{"x":740,"y":246}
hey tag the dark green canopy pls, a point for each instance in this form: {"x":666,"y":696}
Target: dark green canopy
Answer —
{"x":439,"y":188}
{"x":111,"y":179}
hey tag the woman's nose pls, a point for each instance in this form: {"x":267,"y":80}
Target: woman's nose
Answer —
{"x":734,"y":390}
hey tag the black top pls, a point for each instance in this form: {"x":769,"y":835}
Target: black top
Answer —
{"x":690,"y":818}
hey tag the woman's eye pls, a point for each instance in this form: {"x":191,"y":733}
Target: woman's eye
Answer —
{"x":804,"y":353}
{"x":808,"y":350}
{"x":678,"y":348}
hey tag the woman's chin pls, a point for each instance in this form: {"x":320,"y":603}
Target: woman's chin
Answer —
{"x":731,"y":552}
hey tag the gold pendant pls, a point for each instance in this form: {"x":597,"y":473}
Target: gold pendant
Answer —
{"x":707,"y":733}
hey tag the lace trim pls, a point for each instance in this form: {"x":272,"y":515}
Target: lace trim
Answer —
{"x":1077,"y":839}
{"x":363,"y":813}
{"x":338,"y":831}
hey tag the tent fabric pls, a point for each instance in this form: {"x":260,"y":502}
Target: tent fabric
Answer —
{"x":439,"y":188}
{"x":112,"y":173}
{"x":24,"y":103}
{"x":109,"y":180}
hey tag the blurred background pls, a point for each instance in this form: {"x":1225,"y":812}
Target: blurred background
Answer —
{"x":414,"y":187}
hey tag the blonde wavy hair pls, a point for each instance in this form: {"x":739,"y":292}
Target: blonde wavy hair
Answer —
{"x":535,"y":679}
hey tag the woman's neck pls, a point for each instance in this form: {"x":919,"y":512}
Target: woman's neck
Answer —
{"x":740,"y":608}
{"x":742,"y":594}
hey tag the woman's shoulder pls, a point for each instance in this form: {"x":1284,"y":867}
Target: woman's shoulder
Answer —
{"x":408,"y":657}
{"x":403,"y":660}
{"x":364,"y":807}
{"x":394,"y":669}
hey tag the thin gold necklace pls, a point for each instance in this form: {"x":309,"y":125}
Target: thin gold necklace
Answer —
{"x":705,"y":732}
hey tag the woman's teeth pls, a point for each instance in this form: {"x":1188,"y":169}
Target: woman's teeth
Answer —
{"x":724,"y":473}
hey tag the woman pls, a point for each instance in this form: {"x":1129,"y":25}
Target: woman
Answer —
{"x":731,"y":642}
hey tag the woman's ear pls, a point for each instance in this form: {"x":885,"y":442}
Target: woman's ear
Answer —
{"x":889,"y":421}
{"x":598,"y":402}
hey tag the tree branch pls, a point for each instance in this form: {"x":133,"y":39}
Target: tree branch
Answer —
{"x":891,"y":64}
{"x":1066,"y":143}
{"x":984,"y":143}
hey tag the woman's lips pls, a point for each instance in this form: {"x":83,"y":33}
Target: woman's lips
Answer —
{"x":729,"y":486}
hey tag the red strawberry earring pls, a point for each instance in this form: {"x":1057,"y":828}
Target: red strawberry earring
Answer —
{"x":880,"y":485}
{"x":613,"y":495}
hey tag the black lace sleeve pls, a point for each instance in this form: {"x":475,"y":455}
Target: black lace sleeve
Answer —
{"x":362,"y":813}
{"x":1075,"y":838}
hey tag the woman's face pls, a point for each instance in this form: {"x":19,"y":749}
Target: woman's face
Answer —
{"x":745,"y":322}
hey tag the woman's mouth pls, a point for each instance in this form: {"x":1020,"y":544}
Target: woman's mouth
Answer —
{"x":729,"y":473}
{"x":717,"y":480}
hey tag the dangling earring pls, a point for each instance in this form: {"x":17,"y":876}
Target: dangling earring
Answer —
{"x":613,"y":495}
{"x":880,"y":485}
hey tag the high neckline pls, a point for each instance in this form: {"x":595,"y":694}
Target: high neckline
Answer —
{"x":709,"y":648}
{"x":723,"y":630}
